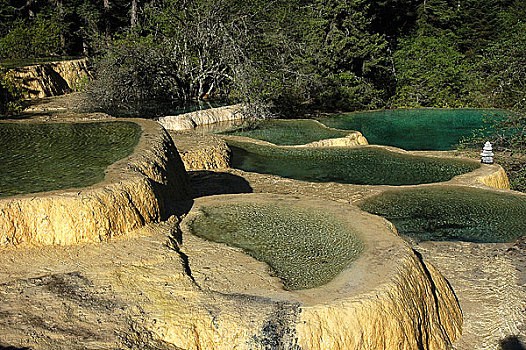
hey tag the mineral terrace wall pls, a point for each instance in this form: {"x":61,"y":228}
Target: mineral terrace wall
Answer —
{"x":53,"y":78}
{"x":191,"y":120}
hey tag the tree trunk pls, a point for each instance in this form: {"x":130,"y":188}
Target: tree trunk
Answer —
{"x":60,"y":7}
{"x":107,"y":19}
{"x":133,"y":14}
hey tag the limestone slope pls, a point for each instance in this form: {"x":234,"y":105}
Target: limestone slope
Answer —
{"x":53,"y":78}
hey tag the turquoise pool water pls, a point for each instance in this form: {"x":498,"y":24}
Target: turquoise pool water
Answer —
{"x":37,"y":157}
{"x":444,"y":213}
{"x":361,"y":166}
{"x":287,"y":132}
{"x":305,"y":248}
{"x":416,"y":129}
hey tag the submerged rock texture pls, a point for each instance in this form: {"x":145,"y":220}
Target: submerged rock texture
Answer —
{"x":53,"y":78}
{"x":202,"y":117}
{"x":131,"y":195}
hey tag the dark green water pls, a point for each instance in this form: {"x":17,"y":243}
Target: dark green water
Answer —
{"x":53,"y":156}
{"x":362,"y":166}
{"x":452,"y":213}
{"x":288,"y":132}
{"x":305,"y":248}
{"x":416,"y":129}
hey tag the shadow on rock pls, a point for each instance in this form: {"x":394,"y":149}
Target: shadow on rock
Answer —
{"x":209,"y":183}
{"x":3,"y":347}
{"x":512,"y":343}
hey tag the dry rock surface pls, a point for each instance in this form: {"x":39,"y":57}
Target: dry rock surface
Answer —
{"x":165,"y":289}
{"x":201,"y":153}
{"x":202,"y":117}
{"x":53,"y":78}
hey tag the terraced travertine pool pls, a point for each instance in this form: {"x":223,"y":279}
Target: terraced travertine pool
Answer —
{"x":452,"y":213}
{"x":304,"y":247}
{"x":416,"y":129}
{"x":287,"y":132}
{"x":361,"y":165}
{"x":38,"y":157}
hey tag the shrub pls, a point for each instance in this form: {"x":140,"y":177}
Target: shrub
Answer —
{"x":11,"y":95}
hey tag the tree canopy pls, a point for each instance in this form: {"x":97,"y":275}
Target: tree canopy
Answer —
{"x":288,"y":57}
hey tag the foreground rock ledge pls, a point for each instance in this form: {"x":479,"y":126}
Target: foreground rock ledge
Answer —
{"x":388,"y":299}
{"x":158,"y":289}
{"x":131,"y":195}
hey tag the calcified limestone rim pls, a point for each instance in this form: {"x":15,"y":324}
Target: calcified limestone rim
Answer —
{"x":53,"y":78}
{"x":353,"y":138}
{"x":487,"y":175}
{"x":188,"y":121}
{"x":131,"y":195}
{"x":388,"y":298}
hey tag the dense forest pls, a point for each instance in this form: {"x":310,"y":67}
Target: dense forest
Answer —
{"x":283,"y":56}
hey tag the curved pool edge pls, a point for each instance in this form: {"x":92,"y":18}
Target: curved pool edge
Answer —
{"x":353,"y":137}
{"x":487,"y":175}
{"x":388,"y":296}
{"x":131,"y":195}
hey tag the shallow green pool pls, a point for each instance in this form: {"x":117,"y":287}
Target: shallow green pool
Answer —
{"x":304,"y":247}
{"x":452,"y":213}
{"x":288,"y":132}
{"x":361,"y":166}
{"x":37,"y":157}
{"x":416,"y":129}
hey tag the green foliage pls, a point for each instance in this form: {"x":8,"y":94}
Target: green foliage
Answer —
{"x":430,"y":73}
{"x":11,"y":95}
{"x":499,"y":78}
{"x":134,"y":71}
{"x":285,"y":57}
{"x":32,"y":38}
{"x":349,"y":62}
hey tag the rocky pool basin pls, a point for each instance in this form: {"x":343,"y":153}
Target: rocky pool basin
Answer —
{"x":377,"y":280}
{"x":361,"y":165}
{"x":66,"y":183}
{"x":452,"y":213}
{"x":284,"y":132}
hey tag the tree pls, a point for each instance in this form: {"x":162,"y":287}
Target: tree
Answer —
{"x":430,"y":73}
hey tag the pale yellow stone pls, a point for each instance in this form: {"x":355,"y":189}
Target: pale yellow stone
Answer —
{"x":53,"y":78}
{"x":355,"y":138}
{"x":201,"y":152}
{"x":387,"y":299}
{"x":202,"y":117}
{"x":497,"y":179}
